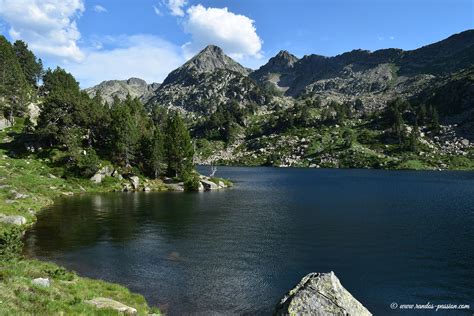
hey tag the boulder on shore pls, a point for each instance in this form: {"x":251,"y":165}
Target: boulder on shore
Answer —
{"x":102,"y":302}
{"x":320,"y":294}
{"x":209,"y":185}
{"x":13,"y":219}
{"x":135,"y":181}
{"x":106,"y":171}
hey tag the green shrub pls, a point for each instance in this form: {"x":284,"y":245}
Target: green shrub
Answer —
{"x":10,"y":242}
{"x":59,"y":273}
{"x":191,"y":183}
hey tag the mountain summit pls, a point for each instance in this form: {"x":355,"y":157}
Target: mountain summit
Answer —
{"x":209,"y":80}
{"x":208,"y":60}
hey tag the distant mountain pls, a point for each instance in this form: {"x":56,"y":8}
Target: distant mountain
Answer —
{"x":212,"y":78}
{"x":137,"y":88}
{"x":206,"y":81}
{"x":373,"y":77}
{"x":279,"y":71}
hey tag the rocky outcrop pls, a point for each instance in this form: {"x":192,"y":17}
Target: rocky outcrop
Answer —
{"x":107,"y":303}
{"x":135,"y":181}
{"x":135,"y":87}
{"x":106,"y":171}
{"x":4,"y":123}
{"x":320,"y":294}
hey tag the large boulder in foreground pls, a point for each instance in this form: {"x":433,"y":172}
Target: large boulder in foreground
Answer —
{"x":320,"y":294}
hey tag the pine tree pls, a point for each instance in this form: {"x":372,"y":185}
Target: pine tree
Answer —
{"x":421,"y":114}
{"x":348,"y":137}
{"x":434,"y":120}
{"x":31,"y":66}
{"x":13,"y":86}
{"x":413,"y":139}
{"x":59,"y":120}
{"x":157,"y":152}
{"x":179,"y":148}
{"x":125,"y":132}
{"x":395,"y":118}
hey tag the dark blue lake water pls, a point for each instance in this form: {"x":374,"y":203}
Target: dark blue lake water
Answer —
{"x":390,"y":236}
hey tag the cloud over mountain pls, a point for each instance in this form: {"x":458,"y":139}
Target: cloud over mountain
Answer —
{"x":235,"y":33}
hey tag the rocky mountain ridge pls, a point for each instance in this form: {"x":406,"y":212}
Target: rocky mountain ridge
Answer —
{"x":211,"y":78}
{"x":206,"y":81}
{"x":137,"y":88}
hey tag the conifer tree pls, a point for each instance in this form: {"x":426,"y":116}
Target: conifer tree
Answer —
{"x":125,"y":132}
{"x":179,"y":148}
{"x":13,"y":86}
{"x":157,"y":152}
{"x":59,"y":120}
{"x":31,"y":66}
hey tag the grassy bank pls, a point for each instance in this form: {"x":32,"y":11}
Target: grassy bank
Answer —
{"x":28,"y":184}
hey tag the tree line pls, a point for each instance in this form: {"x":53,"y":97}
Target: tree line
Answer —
{"x":85,"y":130}
{"x":123,"y":132}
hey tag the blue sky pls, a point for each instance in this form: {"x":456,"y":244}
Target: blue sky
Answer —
{"x":109,"y":39}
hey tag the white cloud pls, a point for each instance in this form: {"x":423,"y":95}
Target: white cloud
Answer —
{"x":99,"y":9}
{"x":49,"y":26}
{"x":176,"y":6}
{"x":392,"y":38}
{"x":144,"y":56}
{"x":157,"y":11}
{"x":234,"y":33}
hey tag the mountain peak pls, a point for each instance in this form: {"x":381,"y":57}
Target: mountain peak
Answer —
{"x":212,"y":49}
{"x":284,"y":58}
{"x":208,"y":60}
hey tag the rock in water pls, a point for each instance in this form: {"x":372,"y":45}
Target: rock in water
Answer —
{"x":320,"y":294}
{"x":102,"y":302}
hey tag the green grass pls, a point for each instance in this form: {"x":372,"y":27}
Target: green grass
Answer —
{"x":41,"y":181}
{"x":66,"y":295}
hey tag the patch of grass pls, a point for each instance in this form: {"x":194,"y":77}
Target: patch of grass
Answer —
{"x":216,"y":180}
{"x":66,"y":295}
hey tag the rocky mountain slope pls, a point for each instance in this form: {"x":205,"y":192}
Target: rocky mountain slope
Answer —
{"x":373,"y":77}
{"x":137,"y":88}
{"x":207,"y":81}
{"x":319,"y":111}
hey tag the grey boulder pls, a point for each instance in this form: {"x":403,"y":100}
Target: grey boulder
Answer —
{"x":135,"y":181}
{"x":13,"y":219}
{"x":44,"y":282}
{"x":107,"y":303}
{"x":320,"y":294}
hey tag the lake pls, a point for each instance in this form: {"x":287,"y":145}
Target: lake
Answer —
{"x":390,"y":236}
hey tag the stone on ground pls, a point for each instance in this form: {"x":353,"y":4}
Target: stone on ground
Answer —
{"x":44,"y":282}
{"x":13,"y":219}
{"x":102,"y":302}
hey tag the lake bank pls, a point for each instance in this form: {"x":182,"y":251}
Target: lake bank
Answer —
{"x":26,"y":187}
{"x":241,"y":250}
